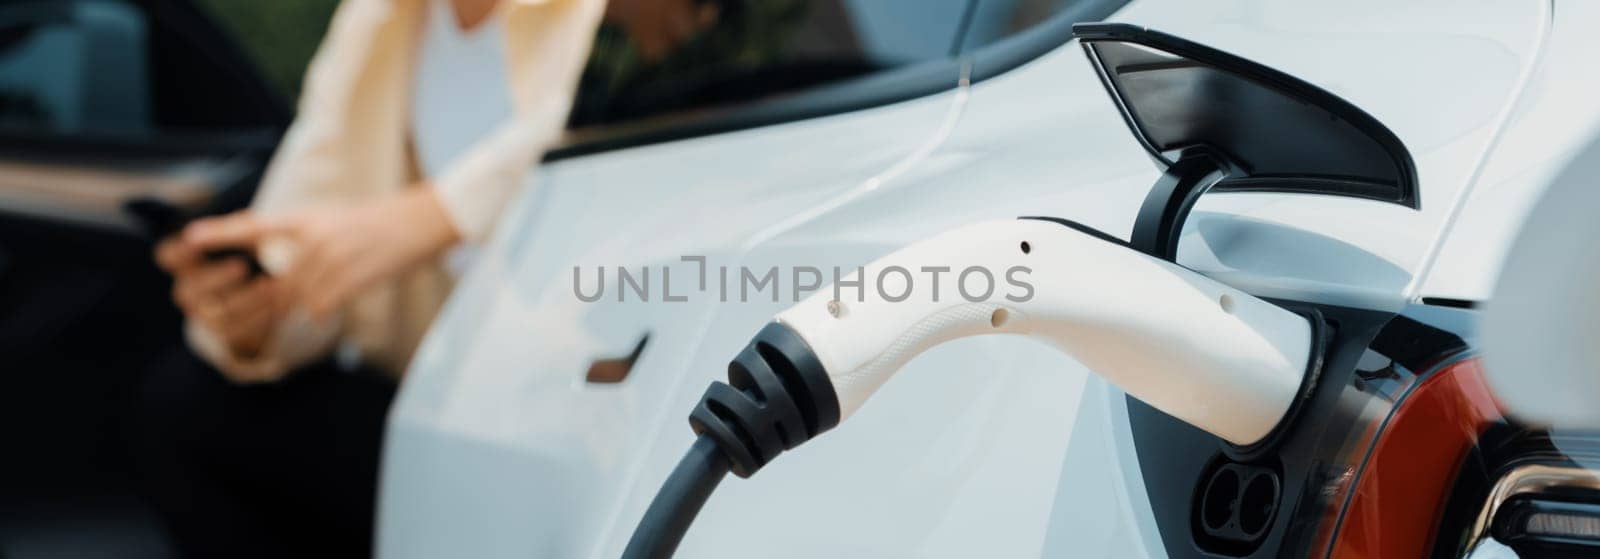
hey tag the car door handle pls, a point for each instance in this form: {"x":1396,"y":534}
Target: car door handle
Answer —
{"x":614,"y":370}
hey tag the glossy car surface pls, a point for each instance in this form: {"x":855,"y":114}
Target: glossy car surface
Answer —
{"x":499,"y":447}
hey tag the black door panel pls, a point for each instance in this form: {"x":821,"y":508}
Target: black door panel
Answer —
{"x":101,"y":101}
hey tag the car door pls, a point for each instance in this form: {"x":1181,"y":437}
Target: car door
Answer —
{"x":101,"y":102}
{"x":678,"y":199}
{"x":851,"y":94}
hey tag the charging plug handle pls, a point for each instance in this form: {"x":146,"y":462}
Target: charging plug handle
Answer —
{"x":777,"y":396}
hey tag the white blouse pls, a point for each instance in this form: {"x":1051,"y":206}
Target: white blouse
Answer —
{"x":460,"y":94}
{"x":459,"y":97}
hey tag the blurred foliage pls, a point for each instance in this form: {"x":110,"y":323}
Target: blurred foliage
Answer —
{"x":619,"y":84}
{"x":747,"y":33}
{"x":280,"y":36}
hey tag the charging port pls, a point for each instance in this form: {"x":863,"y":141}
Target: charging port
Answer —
{"x":1235,"y":506}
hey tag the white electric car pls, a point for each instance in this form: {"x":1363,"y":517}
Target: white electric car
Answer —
{"x":1382,"y":154}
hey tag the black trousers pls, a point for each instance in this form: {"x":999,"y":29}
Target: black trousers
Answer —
{"x":276,"y":470}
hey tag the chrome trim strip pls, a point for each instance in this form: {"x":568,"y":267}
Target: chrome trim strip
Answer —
{"x":1533,"y":478}
{"x":93,"y":195}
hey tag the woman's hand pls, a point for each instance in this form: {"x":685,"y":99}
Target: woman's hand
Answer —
{"x":341,"y":251}
{"x":222,"y":296}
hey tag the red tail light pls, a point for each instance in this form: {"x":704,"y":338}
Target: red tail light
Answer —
{"x":1400,"y":491}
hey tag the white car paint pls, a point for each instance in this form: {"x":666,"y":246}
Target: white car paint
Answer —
{"x":992,"y":446}
{"x":588,"y":443}
{"x":1556,"y":116}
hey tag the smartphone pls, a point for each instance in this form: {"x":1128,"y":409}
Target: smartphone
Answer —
{"x":161,"y":219}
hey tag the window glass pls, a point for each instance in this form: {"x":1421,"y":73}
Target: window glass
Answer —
{"x":280,"y":36}
{"x":162,"y":75}
{"x":994,"y":20}
{"x":745,"y":50}
{"x":111,"y":69}
{"x":73,"y":67}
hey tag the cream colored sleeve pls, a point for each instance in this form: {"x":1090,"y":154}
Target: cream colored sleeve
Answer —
{"x":547,"y":46}
{"x":346,"y":144}
{"x":478,"y":184}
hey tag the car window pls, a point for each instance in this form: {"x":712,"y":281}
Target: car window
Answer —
{"x":280,"y":36}
{"x":73,"y":67}
{"x":757,"y":49}
{"x":996,"y":20}
{"x":122,"y":69}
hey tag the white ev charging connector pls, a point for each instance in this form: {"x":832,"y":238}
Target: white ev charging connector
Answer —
{"x":1201,"y":351}
{"x":1211,"y":355}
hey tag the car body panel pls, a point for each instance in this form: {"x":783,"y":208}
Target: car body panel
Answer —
{"x":102,"y":102}
{"x":993,"y":446}
{"x":1441,"y":91}
{"x":469,"y":386}
{"x":1555,"y":117}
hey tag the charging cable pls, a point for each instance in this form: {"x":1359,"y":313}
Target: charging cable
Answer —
{"x":1203,"y":352}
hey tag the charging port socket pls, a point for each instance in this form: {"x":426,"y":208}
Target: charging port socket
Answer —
{"x":1234,"y":507}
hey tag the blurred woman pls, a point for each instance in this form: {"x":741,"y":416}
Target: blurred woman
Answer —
{"x":418,"y":123}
